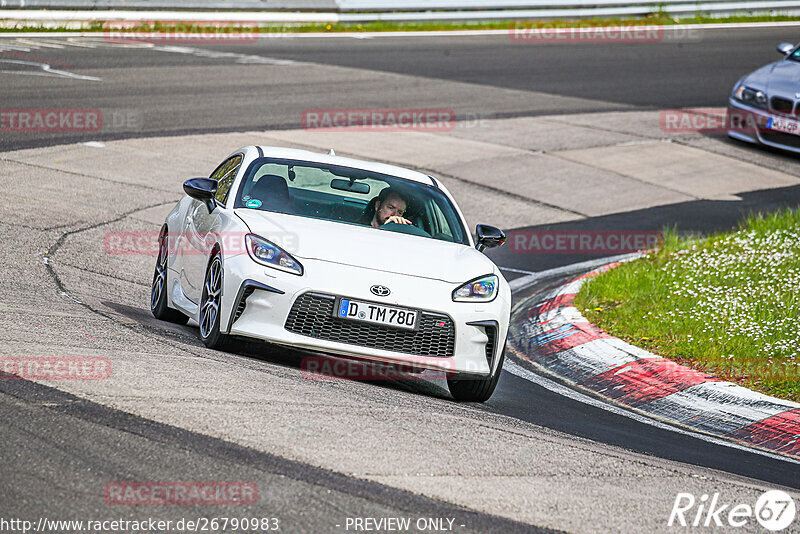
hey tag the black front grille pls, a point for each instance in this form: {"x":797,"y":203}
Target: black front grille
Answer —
{"x":781,"y":105}
{"x":312,"y":315}
{"x":781,"y":138}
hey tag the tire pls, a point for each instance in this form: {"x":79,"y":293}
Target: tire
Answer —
{"x":210,"y":304}
{"x":476,"y":389}
{"x":158,"y":289}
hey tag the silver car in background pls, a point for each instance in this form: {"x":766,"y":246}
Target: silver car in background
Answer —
{"x":764,"y":105}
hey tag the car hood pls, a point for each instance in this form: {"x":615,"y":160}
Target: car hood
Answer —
{"x":784,"y":80}
{"x":370,"y":248}
{"x":780,"y":78}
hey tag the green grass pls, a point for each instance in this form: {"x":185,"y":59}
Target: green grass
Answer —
{"x":726,"y":304}
{"x":657,"y":19}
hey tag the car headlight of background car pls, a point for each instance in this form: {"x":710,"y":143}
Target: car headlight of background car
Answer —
{"x":269,"y":254}
{"x":483,"y":289}
{"x":750,"y":96}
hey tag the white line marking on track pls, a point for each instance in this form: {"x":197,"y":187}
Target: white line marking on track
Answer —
{"x":95,"y":41}
{"x":39,"y":44}
{"x":213,"y":54}
{"x":13,"y":48}
{"x":73,"y":42}
{"x":560,"y":389}
{"x":46,"y":70}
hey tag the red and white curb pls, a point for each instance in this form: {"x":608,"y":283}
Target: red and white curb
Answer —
{"x":554,"y":335}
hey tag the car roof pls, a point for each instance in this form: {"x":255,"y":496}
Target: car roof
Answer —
{"x":316,"y":157}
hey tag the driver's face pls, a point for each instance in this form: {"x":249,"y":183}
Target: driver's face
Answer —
{"x":390,"y":207}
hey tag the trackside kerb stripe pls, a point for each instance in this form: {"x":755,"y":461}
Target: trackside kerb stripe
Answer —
{"x":567,"y":336}
{"x":585,"y":361}
{"x":559,"y":301}
{"x":645,"y":380}
{"x":780,"y":432}
{"x":716,"y":407}
{"x":554,"y":335}
{"x":511,"y":366}
{"x":599,"y":270}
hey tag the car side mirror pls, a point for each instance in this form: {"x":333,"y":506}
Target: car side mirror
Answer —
{"x":785,"y":48}
{"x":488,"y":237}
{"x":202,"y":189}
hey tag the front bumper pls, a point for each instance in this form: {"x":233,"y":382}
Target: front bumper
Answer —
{"x":749,"y":124}
{"x":258,"y":300}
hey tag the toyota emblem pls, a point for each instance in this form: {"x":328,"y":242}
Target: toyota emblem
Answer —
{"x":381,"y":291}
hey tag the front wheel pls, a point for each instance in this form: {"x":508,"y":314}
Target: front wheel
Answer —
{"x":210,"y":306}
{"x":476,"y":389}
{"x":159,"y":288}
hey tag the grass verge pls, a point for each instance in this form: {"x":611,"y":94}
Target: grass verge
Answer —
{"x":726,"y":304}
{"x":380,"y":26}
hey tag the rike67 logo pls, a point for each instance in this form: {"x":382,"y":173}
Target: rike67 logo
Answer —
{"x":774,"y":510}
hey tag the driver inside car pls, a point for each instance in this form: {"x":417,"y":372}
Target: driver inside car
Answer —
{"x":388,"y":207}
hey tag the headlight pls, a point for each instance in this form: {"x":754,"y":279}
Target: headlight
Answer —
{"x":750,"y":96}
{"x":271,"y":255}
{"x":483,"y":289}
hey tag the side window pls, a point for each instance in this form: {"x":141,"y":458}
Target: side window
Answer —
{"x":224,"y":175}
{"x":265,"y":168}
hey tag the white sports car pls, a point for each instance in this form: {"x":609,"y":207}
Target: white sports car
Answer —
{"x":349,"y":257}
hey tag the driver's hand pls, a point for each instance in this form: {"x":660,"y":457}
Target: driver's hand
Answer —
{"x":397,"y":220}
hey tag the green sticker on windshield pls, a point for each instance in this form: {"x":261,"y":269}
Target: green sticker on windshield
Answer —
{"x":253,"y":203}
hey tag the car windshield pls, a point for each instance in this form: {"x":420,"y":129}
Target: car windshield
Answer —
{"x":348,"y":195}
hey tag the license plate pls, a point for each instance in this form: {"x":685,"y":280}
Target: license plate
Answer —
{"x":369,"y":312}
{"x":784,"y":125}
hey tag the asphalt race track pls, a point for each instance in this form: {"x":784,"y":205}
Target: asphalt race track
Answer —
{"x":176,"y":88}
{"x":320,"y":452}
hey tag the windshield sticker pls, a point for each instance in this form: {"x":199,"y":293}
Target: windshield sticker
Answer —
{"x":253,"y":203}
